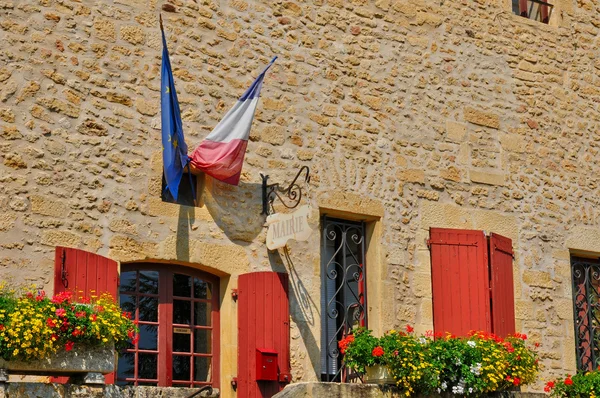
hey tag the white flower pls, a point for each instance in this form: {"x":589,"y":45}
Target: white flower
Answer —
{"x":476,"y":369}
{"x":444,"y":386}
{"x":471,"y":343}
{"x":439,"y":391}
{"x":470,"y":390}
{"x":422,"y":340}
{"x":458,"y":362}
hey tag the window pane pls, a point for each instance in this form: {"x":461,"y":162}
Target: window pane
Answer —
{"x":148,"y":337}
{"x":182,"y":311}
{"x":181,"y":342}
{"x":149,"y":282}
{"x":181,"y":367}
{"x":125,"y":365}
{"x":148,"y":309}
{"x":202,"y":314}
{"x":128,"y":280}
{"x":202,"y":341}
{"x":147,"y":366}
{"x":127,"y":302}
{"x":202,"y":371}
{"x":182,"y":285}
{"x":146,"y":383}
{"x":202,"y":289}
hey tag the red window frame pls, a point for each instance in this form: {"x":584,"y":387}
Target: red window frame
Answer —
{"x":544,"y":10}
{"x":166,"y":327}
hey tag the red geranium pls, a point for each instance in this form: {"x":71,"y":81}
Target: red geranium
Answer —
{"x":409,"y":329}
{"x":377,"y":351}
{"x":342,"y":344}
{"x":69,"y":345}
{"x":568,"y":381}
{"x":549,"y":386}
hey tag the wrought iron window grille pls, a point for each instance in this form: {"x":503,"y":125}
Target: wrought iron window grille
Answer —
{"x":343,"y":290}
{"x":586,"y":305}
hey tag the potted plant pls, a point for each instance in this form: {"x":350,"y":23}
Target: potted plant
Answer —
{"x":374,"y":356}
{"x":583,"y":384}
{"x":474,"y":365}
{"x":61,"y":335}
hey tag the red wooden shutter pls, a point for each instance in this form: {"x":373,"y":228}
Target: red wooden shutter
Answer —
{"x":263,"y":323}
{"x":460,"y":281}
{"x":523,"y":8}
{"x":503,"y":301}
{"x":77,"y":270}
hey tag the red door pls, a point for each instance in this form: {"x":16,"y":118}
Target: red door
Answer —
{"x":263,"y":332}
{"x":84,"y":273}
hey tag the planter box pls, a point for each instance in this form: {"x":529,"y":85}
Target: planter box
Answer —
{"x":379,"y":374}
{"x":93,"y":361}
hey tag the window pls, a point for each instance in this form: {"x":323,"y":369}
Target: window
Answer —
{"x":586,"y":300}
{"x":343,"y":289}
{"x":472,"y":283}
{"x":538,"y":10}
{"x":188,"y":190}
{"x":177,"y":311}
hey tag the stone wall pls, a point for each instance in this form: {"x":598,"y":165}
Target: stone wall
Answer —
{"x":53,"y":390}
{"x":410,"y":114}
{"x":342,"y":390}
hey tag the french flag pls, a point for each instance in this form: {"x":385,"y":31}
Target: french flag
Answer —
{"x":221,"y":154}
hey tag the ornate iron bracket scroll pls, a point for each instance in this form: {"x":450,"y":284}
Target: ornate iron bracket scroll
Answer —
{"x":290,"y":197}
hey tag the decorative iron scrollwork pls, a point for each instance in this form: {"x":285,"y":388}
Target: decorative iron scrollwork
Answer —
{"x":290,"y":197}
{"x":343,"y":294}
{"x":586,"y":303}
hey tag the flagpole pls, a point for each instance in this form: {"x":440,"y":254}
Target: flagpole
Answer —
{"x":160,"y":21}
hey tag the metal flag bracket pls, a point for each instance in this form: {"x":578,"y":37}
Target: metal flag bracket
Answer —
{"x":290,"y":197}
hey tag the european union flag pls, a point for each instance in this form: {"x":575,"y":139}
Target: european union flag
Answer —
{"x":175,"y":157}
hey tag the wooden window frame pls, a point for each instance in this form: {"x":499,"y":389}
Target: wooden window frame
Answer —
{"x":165,"y":320}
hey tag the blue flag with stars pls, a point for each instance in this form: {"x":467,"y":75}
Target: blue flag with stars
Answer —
{"x":175,"y":157}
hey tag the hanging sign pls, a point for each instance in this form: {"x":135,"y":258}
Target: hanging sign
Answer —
{"x":283,"y":227}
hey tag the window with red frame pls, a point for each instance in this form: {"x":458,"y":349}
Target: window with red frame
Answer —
{"x":538,"y":10}
{"x":177,"y":311}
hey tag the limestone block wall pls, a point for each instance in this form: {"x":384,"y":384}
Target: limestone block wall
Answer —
{"x":410,"y":114}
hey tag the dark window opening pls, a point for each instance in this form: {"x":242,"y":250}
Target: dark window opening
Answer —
{"x":538,"y":10}
{"x":177,"y":312}
{"x":185,"y":196}
{"x":586,"y":303}
{"x":343,"y":290}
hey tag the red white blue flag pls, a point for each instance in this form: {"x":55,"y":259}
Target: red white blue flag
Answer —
{"x":221,"y":154}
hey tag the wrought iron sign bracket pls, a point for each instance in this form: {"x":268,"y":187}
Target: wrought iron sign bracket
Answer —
{"x":290,"y":197}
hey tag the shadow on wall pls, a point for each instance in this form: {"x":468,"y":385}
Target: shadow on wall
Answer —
{"x":187,"y":218}
{"x":235,"y":209}
{"x":307,"y":316}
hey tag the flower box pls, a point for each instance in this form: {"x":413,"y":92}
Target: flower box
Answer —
{"x":378,"y":374}
{"x":82,"y":360}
